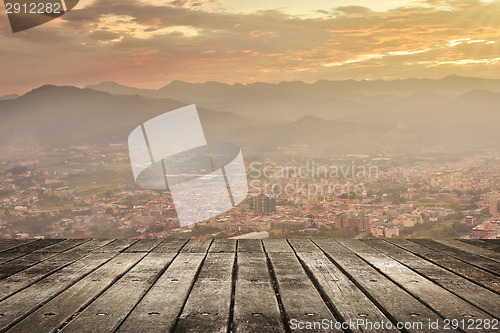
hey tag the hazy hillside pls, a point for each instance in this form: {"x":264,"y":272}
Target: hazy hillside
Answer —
{"x":452,"y":85}
{"x":332,"y":100}
{"x":6,"y":97}
{"x":270,"y":118}
{"x":51,"y":116}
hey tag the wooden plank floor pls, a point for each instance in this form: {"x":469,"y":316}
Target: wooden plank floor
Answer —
{"x":320,"y":285}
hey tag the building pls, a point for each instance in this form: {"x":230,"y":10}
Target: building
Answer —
{"x":469,"y":220}
{"x":352,"y":220}
{"x":390,"y":232}
{"x":263,"y":205}
{"x":494,"y":205}
{"x":482,"y":231}
{"x":487,"y":229}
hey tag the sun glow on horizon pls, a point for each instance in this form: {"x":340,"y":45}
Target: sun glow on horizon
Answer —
{"x":152,"y":42}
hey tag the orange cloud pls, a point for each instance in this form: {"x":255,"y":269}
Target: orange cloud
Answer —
{"x":159,"y":41}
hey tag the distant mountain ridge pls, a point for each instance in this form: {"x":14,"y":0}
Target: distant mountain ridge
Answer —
{"x":328,"y":99}
{"x":6,"y":97}
{"x":58,"y":115}
{"x":269,"y":119}
{"x":453,"y":85}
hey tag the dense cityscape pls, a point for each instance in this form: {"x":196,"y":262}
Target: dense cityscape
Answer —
{"x":88,"y":191}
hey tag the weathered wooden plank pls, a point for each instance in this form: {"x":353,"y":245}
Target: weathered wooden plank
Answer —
{"x":267,"y":286}
{"x":60,"y":309}
{"x":350,"y":303}
{"x":255,"y":305}
{"x":19,"y":305}
{"x":301,"y":301}
{"x":144,"y":245}
{"x":475,"y":274}
{"x":170,"y":246}
{"x":107,"y":312}
{"x":250,"y":245}
{"x":21,"y":257}
{"x":21,"y":263}
{"x":33,"y":246}
{"x":399,"y":305}
{"x":277,"y":245}
{"x":117,"y":245}
{"x":223,"y":246}
{"x":483,"y":244}
{"x":93,"y":245}
{"x":7,"y":244}
{"x":158,"y":309}
{"x":471,"y":249}
{"x":9,"y":257}
{"x":62,"y":246}
{"x":208,"y":304}
{"x":26,"y":277}
{"x":475,"y":260}
{"x":6,"y":257}
{"x":440,"y":299}
{"x":197,"y":246}
{"x":482,"y":298}
{"x":304,"y":246}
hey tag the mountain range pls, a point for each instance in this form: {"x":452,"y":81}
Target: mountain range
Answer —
{"x":327,"y":117}
{"x":6,"y":97}
{"x":331,"y":100}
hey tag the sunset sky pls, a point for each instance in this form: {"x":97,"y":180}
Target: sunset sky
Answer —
{"x":149,"y":43}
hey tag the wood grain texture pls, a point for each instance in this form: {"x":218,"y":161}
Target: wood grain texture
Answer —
{"x":209,"y":302}
{"x":396,"y":302}
{"x":302,"y":302}
{"x":471,"y":249}
{"x":107,"y":312}
{"x":486,"y":244}
{"x":271,"y":285}
{"x":445,"y":303}
{"x":468,"y":290}
{"x":473,"y":273}
{"x":349,"y":301}
{"x":465,"y":256}
{"x":159,"y":309}
{"x":255,"y":304}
